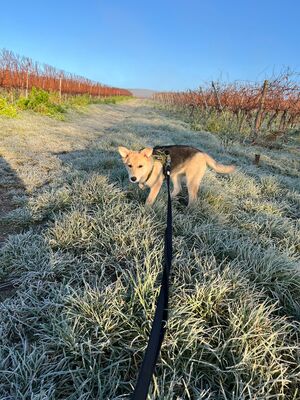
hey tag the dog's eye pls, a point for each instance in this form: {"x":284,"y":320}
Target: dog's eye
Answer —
{"x":140,"y":166}
{"x":129,"y":165}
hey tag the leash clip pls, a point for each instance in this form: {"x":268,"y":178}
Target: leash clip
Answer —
{"x":168,"y":164}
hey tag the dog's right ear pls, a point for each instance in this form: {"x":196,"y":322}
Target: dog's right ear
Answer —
{"x":123,"y":151}
{"x":147,"y":152}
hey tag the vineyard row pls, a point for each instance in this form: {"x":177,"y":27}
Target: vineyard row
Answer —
{"x":22,"y":73}
{"x":273,"y":105}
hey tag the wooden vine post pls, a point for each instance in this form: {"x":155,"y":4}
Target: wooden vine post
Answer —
{"x":27,"y":85}
{"x":60,"y":88}
{"x":219,"y":105}
{"x":258,"y":118}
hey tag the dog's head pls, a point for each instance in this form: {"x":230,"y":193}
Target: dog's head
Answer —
{"x":137,"y":163}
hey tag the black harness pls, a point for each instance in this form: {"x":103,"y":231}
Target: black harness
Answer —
{"x":150,"y":173}
{"x":164,"y":158}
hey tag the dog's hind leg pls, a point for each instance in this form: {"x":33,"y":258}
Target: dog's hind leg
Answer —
{"x":193,"y":183}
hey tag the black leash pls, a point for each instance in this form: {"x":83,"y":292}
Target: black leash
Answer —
{"x":161,"y":313}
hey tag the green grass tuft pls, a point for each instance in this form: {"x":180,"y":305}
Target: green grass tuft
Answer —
{"x":40,"y":101}
{"x":6,"y":109}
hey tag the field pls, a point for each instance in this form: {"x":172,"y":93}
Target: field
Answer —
{"x":81,"y":256}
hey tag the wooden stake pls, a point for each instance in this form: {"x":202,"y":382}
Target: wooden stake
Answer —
{"x":220,"y":108}
{"x":256,"y":159}
{"x":258,"y":118}
{"x":60,"y":89}
{"x":27,"y":85}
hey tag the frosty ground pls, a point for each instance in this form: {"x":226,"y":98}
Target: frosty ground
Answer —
{"x":81,"y":257}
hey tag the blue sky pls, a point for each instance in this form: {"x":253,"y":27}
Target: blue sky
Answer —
{"x":156,"y":44}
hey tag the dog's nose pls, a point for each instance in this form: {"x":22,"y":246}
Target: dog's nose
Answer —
{"x":133,"y":179}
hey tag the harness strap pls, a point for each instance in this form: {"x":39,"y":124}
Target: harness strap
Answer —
{"x":161,"y":313}
{"x":150,"y":173}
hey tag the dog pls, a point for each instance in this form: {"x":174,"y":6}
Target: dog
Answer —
{"x":146,"y":167}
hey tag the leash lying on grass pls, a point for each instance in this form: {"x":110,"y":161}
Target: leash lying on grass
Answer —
{"x":161,"y":313}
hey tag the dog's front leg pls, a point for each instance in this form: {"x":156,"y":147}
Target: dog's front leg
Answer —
{"x":154,"y":192}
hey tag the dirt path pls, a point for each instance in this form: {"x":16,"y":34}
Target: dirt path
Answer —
{"x":35,"y":149}
{"x":31,"y":147}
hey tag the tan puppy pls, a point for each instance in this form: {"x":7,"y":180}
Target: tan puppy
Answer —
{"x":145,"y":167}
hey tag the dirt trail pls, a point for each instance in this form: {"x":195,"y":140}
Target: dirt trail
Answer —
{"x":35,"y":149}
{"x":29,"y":145}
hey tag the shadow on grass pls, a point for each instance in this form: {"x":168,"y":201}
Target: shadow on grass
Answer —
{"x":11,"y":186}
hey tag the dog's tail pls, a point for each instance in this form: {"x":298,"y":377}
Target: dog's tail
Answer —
{"x":222,"y":169}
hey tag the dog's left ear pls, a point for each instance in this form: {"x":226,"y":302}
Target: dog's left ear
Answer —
{"x":123,"y":151}
{"x":147,"y":152}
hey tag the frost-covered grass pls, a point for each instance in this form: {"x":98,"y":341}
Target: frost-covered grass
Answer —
{"x":88,"y":261}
